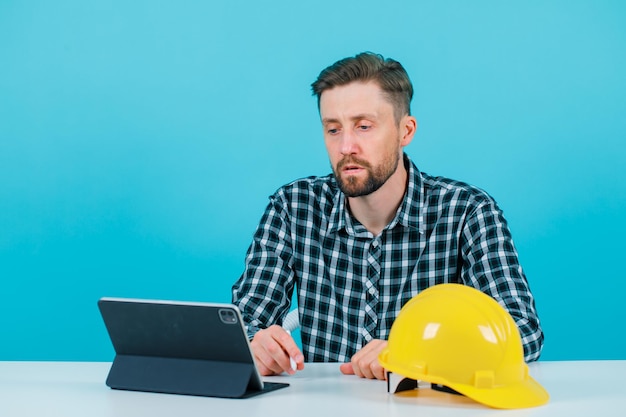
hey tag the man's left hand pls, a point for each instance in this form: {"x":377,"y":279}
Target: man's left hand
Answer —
{"x":364,"y":363}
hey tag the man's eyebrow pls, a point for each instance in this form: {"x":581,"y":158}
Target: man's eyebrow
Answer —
{"x":368,"y":116}
{"x":327,"y":120}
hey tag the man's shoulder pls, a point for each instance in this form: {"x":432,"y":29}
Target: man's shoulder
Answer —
{"x":308,"y":189}
{"x":444,"y":187}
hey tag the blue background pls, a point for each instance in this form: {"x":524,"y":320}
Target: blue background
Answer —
{"x":139,"y":142}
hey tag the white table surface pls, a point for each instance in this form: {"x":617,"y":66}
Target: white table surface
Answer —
{"x":577,"y":388}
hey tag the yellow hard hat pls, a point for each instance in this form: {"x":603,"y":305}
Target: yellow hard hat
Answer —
{"x":459,"y":337}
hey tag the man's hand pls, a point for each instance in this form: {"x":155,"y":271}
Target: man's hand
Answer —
{"x":272,"y":348}
{"x":364,"y":363}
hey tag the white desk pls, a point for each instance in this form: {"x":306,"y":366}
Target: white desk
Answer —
{"x":585,"y":388}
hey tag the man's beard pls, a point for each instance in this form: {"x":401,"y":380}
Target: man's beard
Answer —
{"x":353,"y":186}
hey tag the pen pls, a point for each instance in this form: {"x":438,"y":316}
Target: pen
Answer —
{"x":294,"y":366}
{"x":292,"y":322}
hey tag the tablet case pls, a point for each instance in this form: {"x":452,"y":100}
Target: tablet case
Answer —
{"x":180,"y":348}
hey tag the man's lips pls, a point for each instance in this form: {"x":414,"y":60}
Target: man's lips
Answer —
{"x":351,"y":168}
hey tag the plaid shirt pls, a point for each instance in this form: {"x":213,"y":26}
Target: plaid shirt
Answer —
{"x":351,"y":284}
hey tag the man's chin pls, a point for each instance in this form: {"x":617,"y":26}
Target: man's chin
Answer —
{"x":354,"y":189}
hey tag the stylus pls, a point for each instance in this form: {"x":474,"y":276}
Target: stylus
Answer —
{"x":293,"y":363}
{"x":291,"y":323}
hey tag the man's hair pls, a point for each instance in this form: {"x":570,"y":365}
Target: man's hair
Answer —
{"x":389,"y":74}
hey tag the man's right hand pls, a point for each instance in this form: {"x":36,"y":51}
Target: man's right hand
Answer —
{"x":272,"y":348}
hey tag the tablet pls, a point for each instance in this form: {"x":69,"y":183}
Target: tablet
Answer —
{"x":181,"y":348}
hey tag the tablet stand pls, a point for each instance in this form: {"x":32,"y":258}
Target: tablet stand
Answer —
{"x":184,"y":376}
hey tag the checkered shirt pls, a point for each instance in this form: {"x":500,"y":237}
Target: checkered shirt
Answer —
{"x":351,"y":284}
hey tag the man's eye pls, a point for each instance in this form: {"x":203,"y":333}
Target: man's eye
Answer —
{"x":364,"y":127}
{"x":332,"y":131}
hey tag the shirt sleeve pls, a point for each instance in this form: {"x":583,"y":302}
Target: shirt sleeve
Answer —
{"x":263,"y":292}
{"x":491,"y":264}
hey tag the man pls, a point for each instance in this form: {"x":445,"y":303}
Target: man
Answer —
{"x":359,"y":243}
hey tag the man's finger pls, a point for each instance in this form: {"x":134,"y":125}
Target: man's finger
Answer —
{"x":276,"y":350}
{"x":346,"y":368}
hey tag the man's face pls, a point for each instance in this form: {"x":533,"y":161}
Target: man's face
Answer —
{"x":361,"y":136}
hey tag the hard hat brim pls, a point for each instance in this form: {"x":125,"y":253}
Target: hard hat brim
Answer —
{"x":524,"y":394}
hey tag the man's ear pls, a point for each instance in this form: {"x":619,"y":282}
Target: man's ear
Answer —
{"x":408,"y":127}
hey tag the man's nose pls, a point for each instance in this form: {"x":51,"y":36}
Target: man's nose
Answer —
{"x":349,"y":144}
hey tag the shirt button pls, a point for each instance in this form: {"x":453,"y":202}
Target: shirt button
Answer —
{"x":372,"y":291}
{"x":368,"y":338}
{"x":375,"y":243}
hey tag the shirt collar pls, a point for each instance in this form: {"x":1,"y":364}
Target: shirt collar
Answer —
{"x":411,"y":211}
{"x":339,"y":216}
{"x":409,"y":214}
